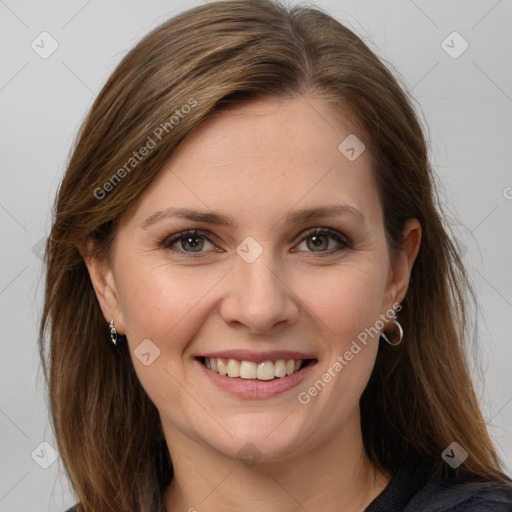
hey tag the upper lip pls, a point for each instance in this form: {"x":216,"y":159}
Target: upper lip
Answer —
{"x":258,"y":357}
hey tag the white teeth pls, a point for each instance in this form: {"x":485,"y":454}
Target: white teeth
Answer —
{"x":223,"y":368}
{"x":233,"y":368}
{"x":247,"y":370}
{"x":266,"y":370}
{"x":280,"y":368}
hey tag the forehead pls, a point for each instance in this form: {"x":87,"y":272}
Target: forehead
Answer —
{"x":268,"y":155}
{"x":273,"y":129}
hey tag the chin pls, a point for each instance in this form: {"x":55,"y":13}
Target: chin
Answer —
{"x":260,"y":439}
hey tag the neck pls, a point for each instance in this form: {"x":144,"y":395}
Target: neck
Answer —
{"x":334,"y":476}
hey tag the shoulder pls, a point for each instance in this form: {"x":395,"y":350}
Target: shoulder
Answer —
{"x":418,"y":489}
{"x":72,"y":509}
{"x":442,"y":496}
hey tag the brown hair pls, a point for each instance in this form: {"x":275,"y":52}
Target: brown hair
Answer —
{"x":419,"y":398}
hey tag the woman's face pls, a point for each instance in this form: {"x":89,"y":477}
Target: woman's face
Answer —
{"x":267,"y":278}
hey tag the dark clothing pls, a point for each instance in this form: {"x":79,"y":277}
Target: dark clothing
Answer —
{"x":415,"y":489}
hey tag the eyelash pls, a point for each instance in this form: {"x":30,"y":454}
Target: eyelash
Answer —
{"x":168,"y":242}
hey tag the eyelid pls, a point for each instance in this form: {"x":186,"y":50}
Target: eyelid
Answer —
{"x":342,"y":239}
{"x":170,"y":240}
{"x":331,"y":232}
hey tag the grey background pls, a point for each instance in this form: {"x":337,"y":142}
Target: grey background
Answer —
{"x":466,"y":104}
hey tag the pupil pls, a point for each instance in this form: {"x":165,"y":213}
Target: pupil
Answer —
{"x":193,"y":242}
{"x":318,"y":240}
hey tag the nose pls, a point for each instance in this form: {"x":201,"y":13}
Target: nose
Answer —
{"x":258,"y":298}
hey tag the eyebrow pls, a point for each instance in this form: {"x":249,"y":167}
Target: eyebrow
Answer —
{"x":293,"y":217}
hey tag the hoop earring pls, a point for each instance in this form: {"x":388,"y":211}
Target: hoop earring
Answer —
{"x":400,"y":332}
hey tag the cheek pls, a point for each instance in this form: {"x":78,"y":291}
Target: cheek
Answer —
{"x":161,"y":301}
{"x":164,"y":302}
{"x":346,"y":304}
{"x":167,"y":305}
{"x":347,"y":299}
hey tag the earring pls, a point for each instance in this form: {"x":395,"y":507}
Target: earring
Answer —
{"x":115,"y":338}
{"x":400,"y":331}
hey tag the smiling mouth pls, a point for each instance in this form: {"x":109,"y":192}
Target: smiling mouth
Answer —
{"x":249,"y":370}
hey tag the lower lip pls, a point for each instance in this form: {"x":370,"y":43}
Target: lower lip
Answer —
{"x":256,"y":389}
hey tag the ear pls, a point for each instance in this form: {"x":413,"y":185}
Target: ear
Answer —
{"x":102,"y":278}
{"x":401,"y":267}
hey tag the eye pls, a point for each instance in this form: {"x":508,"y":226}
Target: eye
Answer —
{"x":191,"y":241}
{"x":317,"y":240}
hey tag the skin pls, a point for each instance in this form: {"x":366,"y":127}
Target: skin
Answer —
{"x":256,"y":164}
